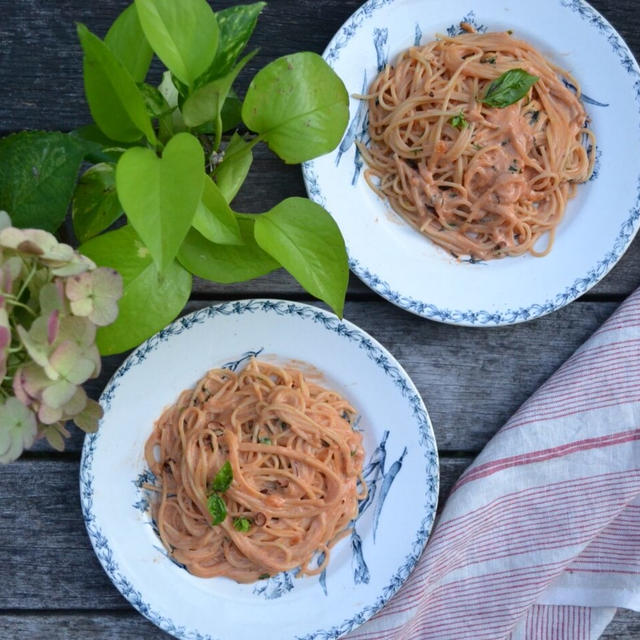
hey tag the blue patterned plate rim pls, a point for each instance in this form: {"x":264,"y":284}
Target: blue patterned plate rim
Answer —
{"x":481,"y":317}
{"x":345,"y":329}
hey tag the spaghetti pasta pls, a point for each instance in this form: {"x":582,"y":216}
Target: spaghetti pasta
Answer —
{"x":296,"y":463}
{"x":477,"y":180}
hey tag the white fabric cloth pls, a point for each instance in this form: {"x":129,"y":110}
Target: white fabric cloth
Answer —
{"x":540,"y":537}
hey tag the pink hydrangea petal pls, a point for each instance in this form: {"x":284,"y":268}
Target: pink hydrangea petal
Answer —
{"x":53,"y":324}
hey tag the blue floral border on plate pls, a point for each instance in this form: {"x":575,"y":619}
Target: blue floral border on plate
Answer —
{"x":374,"y":352}
{"x":626,"y":233}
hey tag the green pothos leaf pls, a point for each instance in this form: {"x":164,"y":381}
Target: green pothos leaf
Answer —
{"x":95,"y":205}
{"x":307,"y":242}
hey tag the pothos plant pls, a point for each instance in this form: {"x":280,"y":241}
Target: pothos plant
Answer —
{"x":171,"y":158}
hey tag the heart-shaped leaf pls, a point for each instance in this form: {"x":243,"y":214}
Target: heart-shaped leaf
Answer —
{"x":127,"y":41}
{"x":183,"y":34}
{"x":150,"y":299}
{"x":233,"y":170}
{"x":95,"y":204}
{"x":114,"y":99}
{"x":298,"y":105}
{"x":160,"y":195}
{"x":307,"y":242}
{"x":38,"y":171}
{"x":214,"y":218}
{"x":225,"y":263}
{"x":236,"y":25}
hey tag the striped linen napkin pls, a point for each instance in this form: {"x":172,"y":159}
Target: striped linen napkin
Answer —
{"x":540,"y":537}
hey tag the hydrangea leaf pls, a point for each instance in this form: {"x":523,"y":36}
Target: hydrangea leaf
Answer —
{"x":38,"y":172}
{"x":18,"y":429}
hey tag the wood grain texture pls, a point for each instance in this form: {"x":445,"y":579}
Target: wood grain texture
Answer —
{"x":45,"y":554}
{"x":128,"y":625}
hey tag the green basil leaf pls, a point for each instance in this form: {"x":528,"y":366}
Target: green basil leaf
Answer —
{"x":217,"y":509}
{"x":126,"y":40}
{"x":511,"y":86}
{"x":114,"y":100}
{"x":307,"y":242}
{"x":242,"y":524}
{"x":298,"y":105}
{"x":205,"y":104}
{"x":95,"y":204}
{"x":214,"y":218}
{"x":233,"y":170}
{"x":226,"y":263}
{"x":38,"y":172}
{"x":160,"y":195}
{"x":459,"y":121}
{"x":223,"y":478}
{"x":236,"y":25}
{"x":183,"y":34}
{"x":150,"y":299}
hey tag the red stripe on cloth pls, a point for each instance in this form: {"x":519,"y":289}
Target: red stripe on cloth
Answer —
{"x":589,"y":385}
{"x":603,"y":405}
{"x":564,"y":487}
{"x":489,"y":468}
{"x":618,"y":391}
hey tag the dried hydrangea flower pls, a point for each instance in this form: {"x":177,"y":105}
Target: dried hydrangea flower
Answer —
{"x":18,"y":429}
{"x":52,"y":300}
{"x":95,"y":294}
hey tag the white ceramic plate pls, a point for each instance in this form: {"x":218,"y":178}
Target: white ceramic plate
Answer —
{"x":411,"y":272}
{"x":366,"y":568}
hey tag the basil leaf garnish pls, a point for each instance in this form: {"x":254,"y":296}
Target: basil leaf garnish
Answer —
{"x":459,"y":121}
{"x":511,"y":86}
{"x":217,"y":508}
{"x":223,"y":478}
{"x":241,"y":524}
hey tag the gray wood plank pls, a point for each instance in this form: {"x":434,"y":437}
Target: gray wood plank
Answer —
{"x":472,"y":380}
{"x":130,"y":626}
{"x":46,"y":558}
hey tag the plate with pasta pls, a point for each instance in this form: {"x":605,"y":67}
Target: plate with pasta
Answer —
{"x":483,"y":179}
{"x":263,"y":469}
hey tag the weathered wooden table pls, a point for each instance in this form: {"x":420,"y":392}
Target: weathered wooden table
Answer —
{"x":472,"y":380}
